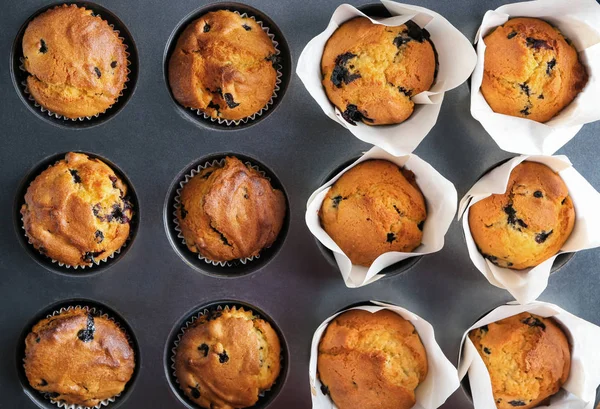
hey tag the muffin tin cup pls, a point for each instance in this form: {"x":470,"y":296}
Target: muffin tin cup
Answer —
{"x":527,"y":285}
{"x":20,"y":74}
{"x":283,"y":65}
{"x":525,"y":136}
{"x":58,"y":266}
{"x":43,"y":400}
{"x":580,"y":388}
{"x":442,"y":378}
{"x":440,"y":197}
{"x":223,"y":269}
{"x":265,"y":397}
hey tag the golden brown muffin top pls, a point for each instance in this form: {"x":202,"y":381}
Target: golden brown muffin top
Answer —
{"x":531,"y":70}
{"x":76,"y":61}
{"x":230,"y":212}
{"x":371,"y":360}
{"x":224,"y":65}
{"x":527,"y":356}
{"x":371,"y":71}
{"x":527,"y":224}
{"x":78,"y":357}
{"x":227,"y":358}
{"x":76,"y":211}
{"x":374,"y":208}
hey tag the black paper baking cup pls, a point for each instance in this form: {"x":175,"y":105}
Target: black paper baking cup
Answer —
{"x":234,"y":268}
{"x":19,"y":75}
{"x":53,"y":265}
{"x":266,"y":397}
{"x":283,"y":67}
{"x":388,"y":272}
{"x":561,"y":260}
{"x":43,"y":400}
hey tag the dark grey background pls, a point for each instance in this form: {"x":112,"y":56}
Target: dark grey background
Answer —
{"x":152,"y":287}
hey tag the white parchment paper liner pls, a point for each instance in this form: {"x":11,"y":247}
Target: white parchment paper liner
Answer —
{"x":97,"y":313}
{"x":527,"y":285}
{"x":578,"y":20}
{"x":578,"y":392}
{"x":456,"y":59}
{"x":440,"y":197}
{"x":442,"y":378}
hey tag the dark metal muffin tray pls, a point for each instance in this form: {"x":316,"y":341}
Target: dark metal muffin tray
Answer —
{"x":152,"y":290}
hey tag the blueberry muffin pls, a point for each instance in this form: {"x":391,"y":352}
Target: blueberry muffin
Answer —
{"x":374,"y":208}
{"x":76,"y":212}
{"x":371,"y":361}
{"x":77,"y":63}
{"x":224,"y":65}
{"x":527,"y":224}
{"x":78,"y":358}
{"x":371,"y":71}
{"x":226,"y":359}
{"x":230,"y":212}
{"x":530,"y":70}
{"x":527,"y":356}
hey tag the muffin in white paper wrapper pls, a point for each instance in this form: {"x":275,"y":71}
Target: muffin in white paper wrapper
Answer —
{"x":579,"y":21}
{"x":442,"y":378}
{"x":527,"y":285}
{"x":579,"y":392}
{"x":440,"y":197}
{"x":456,"y":59}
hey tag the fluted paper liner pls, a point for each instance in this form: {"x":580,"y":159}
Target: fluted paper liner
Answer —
{"x":440,"y":197}
{"x":442,"y":378}
{"x":527,"y":285}
{"x":579,"y":392}
{"x":578,"y":20}
{"x":456,"y":62}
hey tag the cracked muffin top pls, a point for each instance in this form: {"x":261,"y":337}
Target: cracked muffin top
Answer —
{"x":530,"y":70}
{"x":528,"y":358}
{"x":230,"y":212}
{"x":76,"y":212}
{"x":371,"y":71}
{"x":77,"y":63}
{"x":371,"y":361}
{"x":374,"y":208}
{"x":527,"y":224}
{"x":224,"y":65}
{"x":78,"y":358}
{"x":227,"y":358}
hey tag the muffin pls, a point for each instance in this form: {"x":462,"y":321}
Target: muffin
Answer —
{"x":224,"y":65}
{"x":371,"y":361}
{"x":379,"y":203}
{"x":230,"y":212}
{"x":76,"y":212}
{"x":527,"y":224}
{"x":371,"y":71}
{"x":77,"y":63}
{"x":78,"y":358}
{"x":530,"y":70}
{"x":227,"y":359}
{"x":527,"y":356}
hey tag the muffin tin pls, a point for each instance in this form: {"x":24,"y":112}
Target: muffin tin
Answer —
{"x":153,"y":290}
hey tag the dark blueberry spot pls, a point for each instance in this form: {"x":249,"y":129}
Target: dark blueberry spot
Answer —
{"x":206,"y":27}
{"x":521,"y":223}
{"x":97,"y":71}
{"x":492,"y":259}
{"x":538,"y":44}
{"x":390,"y":237}
{"x":509,"y":264}
{"x":43,"y":46}
{"x":415,"y":32}
{"x":76,"y":177}
{"x":183,"y":211}
{"x":118,"y":214}
{"x":400,"y":40}
{"x":563,"y":201}
{"x":43,"y":250}
{"x":421,"y":225}
{"x":214,"y":315}
{"x":274,"y":59}
{"x":223,"y":357}
{"x":214,"y":106}
{"x":512,"y":214}
{"x":87,"y":334}
{"x":207,"y":175}
{"x":538,"y":194}
{"x":204,"y":349}
{"x":516,"y":403}
{"x":99,"y":236}
{"x":550,"y":65}
{"x":229,"y":100}
{"x":398,"y":211}
{"x":525,"y":88}
{"x":541,"y":96}
{"x":195,"y":392}
{"x":113,"y":179}
{"x":89,"y":257}
{"x":336,"y":201}
{"x":534,"y":322}
{"x":43,"y":382}
{"x":352,"y":115}
{"x":487,"y":350}
{"x":405,"y":91}
{"x":324,"y":389}
{"x":511,"y":35}
{"x":96,"y":209}
{"x":246,"y":196}
{"x":223,"y":238}
{"x":541,"y":237}
{"x":484,"y":329}
{"x":37,"y":340}
{"x":246,"y":27}
{"x":113,"y":64}
{"x":525,"y":111}
{"x":340,"y":74}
